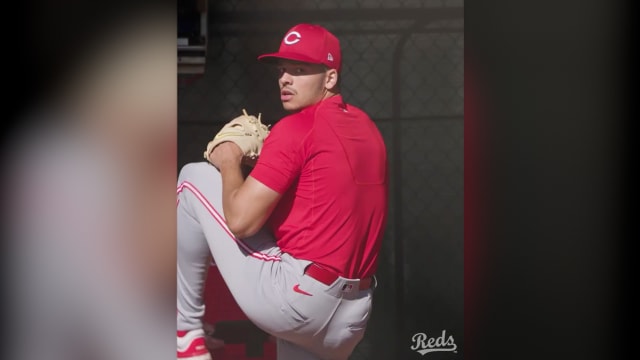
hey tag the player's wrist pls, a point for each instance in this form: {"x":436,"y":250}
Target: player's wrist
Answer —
{"x":231,"y":150}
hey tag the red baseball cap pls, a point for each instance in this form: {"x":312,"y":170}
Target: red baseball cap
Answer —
{"x":308,"y":43}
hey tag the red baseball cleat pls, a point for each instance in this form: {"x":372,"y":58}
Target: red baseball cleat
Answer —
{"x":191,"y":345}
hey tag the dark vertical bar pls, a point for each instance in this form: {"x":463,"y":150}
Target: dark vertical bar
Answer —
{"x":398,"y":192}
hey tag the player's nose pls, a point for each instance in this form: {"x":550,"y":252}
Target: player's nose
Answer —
{"x":285,"y":78}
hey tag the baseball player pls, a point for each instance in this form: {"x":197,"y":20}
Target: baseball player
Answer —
{"x":297,"y":240}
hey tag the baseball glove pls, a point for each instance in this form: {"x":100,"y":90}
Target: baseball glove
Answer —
{"x":246,"y":131}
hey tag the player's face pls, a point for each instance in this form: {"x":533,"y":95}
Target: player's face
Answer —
{"x":301,"y":84}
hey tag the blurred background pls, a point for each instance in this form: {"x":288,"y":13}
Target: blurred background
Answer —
{"x":89,"y":179}
{"x":403,"y":64}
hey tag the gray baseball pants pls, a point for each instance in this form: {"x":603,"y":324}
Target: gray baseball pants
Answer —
{"x":326,"y":323}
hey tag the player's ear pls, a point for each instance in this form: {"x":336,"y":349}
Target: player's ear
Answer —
{"x":331,"y":79}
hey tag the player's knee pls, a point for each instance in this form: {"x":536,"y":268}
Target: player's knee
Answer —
{"x":191,"y":167}
{"x":196,"y":169}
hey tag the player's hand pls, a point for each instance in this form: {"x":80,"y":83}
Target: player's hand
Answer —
{"x":226,"y":154}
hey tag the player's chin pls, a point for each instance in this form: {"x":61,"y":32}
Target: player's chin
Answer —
{"x":289,"y":106}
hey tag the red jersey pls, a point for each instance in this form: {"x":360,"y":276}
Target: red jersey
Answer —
{"x":329,"y":162}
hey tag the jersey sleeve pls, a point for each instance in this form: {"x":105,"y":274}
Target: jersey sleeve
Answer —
{"x":281,"y":158}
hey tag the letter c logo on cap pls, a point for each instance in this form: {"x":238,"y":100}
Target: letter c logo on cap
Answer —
{"x":292,"y":38}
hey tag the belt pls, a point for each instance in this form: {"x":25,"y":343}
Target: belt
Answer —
{"x":327,"y":277}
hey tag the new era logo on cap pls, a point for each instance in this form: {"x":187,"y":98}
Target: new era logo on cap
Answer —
{"x":308,"y":43}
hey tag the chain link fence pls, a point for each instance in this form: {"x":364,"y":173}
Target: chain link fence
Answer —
{"x":402,"y":64}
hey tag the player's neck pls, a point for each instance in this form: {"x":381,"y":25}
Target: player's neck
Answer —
{"x":328,"y":94}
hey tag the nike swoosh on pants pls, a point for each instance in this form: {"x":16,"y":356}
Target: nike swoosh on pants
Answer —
{"x":297,"y":289}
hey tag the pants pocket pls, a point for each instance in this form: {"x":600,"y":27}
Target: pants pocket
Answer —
{"x":359,"y":316}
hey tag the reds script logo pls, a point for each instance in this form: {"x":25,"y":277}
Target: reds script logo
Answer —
{"x":423,"y":344}
{"x":292,"y":38}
